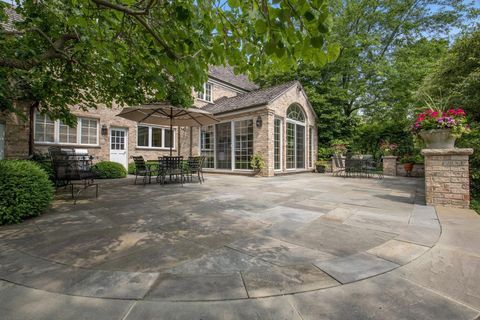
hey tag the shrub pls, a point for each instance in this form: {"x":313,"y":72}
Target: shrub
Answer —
{"x":131,"y":168}
{"x":257,"y":162}
{"x":26,"y":190}
{"x":109,"y":170}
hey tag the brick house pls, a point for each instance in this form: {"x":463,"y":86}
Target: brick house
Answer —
{"x":276,"y":122}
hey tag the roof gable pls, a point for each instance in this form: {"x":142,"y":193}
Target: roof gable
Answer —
{"x":226,"y":75}
{"x":250,"y":99}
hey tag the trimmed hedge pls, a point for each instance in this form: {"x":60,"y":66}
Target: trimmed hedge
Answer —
{"x":131,"y":168}
{"x":25,"y":192}
{"x":109,"y":170}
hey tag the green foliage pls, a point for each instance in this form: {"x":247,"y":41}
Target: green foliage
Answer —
{"x":44,"y":162}
{"x":131,"y":168}
{"x":257,"y":162}
{"x":26,"y":190}
{"x":325,"y":153}
{"x":475,"y":205}
{"x":411,"y":158}
{"x":472,"y":140}
{"x":370,"y":135}
{"x":457,"y":77}
{"x":86,"y":52}
{"x":109,"y":170}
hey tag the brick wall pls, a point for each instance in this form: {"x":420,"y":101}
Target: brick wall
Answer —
{"x":447,"y":177}
{"x":17,"y":131}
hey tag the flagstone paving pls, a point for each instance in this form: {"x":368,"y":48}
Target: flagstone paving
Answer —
{"x":306,"y":246}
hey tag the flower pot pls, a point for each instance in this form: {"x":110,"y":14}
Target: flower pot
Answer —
{"x":320,"y":168}
{"x":408,"y":167}
{"x":438,"y":138}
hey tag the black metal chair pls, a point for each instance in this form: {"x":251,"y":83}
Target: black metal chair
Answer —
{"x":69,"y":167}
{"x":142,"y":170}
{"x":195,"y":166}
{"x":171,"y":167}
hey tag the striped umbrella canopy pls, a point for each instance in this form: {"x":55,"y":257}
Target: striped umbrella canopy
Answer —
{"x":166,"y":114}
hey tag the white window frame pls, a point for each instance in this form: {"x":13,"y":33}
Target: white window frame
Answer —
{"x":150,"y":127}
{"x":56,"y":133}
{"x":202,"y":95}
{"x":280,"y":142}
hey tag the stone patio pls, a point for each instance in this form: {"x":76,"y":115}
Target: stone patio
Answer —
{"x":304,"y":246}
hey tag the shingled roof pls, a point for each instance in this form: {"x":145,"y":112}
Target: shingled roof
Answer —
{"x":226,"y":75}
{"x":249,"y":99}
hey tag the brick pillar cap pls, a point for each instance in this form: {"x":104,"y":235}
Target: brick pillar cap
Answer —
{"x":447,"y":152}
{"x":390,"y":157}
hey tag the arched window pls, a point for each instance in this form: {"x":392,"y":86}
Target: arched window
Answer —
{"x":295,"y":157}
{"x":295,"y":113}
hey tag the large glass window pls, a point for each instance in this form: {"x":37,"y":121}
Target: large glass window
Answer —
{"x":277,"y":146}
{"x":49,"y":131}
{"x":89,"y":131}
{"x":295,"y":137}
{"x":223,"y":142}
{"x":243,"y":144}
{"x":290,"y":145}
{"x":154,"y":137}
{"x":206,"y":93}
{"x":67,"y":134}
{"x":44,"y":128}
{"x":311,"y":148}
{"x":207,"y":136}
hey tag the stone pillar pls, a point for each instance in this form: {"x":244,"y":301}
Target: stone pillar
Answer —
{"x":447,"y":181}
{"x":390,"y":165}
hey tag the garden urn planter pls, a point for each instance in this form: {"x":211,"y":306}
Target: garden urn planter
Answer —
{"x":438,"y":138}
{"x":320,"y":168}
{"x":408,"y":168}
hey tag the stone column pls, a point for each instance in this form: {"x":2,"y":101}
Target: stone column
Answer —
{"x":390,"y":165}
{"x":447,"y":181}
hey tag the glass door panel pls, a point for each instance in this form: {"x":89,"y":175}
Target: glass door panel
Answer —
{"x":300,"y":150}
{"x":223,"y":141}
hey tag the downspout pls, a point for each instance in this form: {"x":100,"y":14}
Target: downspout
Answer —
{"x":32,"y":109}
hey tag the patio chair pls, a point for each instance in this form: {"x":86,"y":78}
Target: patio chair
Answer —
{"x":339,"y":163}
{"x":69,"y":167}
{"x":171,"y":167}
{"x":142,"y":170}
{"x":195,"y":165}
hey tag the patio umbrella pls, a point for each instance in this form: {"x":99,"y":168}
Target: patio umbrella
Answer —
{"x":165,"y":114}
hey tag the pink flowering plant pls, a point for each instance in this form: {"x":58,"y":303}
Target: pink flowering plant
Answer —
{"x":388,"y":148}
{"x":454,"y":119}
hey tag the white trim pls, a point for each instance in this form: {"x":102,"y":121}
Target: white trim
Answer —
{"x":281,"y":144}
{"x":204,"y":93}
{"x":234,"y":112}
{"x":149,"y":147}
{"x":56,"y":133}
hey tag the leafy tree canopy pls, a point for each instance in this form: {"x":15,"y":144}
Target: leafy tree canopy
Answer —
{"x":457,"y":77}
{"x":85,"y":52}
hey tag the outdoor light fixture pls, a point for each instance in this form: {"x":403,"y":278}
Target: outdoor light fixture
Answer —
{"x":104,"y":130}
{"x":259,"y":122}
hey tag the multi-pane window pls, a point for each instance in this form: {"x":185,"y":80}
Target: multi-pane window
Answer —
{"x":311,"y":159}
{"x":277,"y":138}
{"x":243,"y":144}
{"x":67,"y":134}
{"x":295,"y":137}
{"x":89,"y":131}
{"x":290,"y":145}
{"x":206,"y":93}
{"x":44,"y":128}
{"x":207,"y":140}
{"x":223,"y":145}
{"x":153,"y":137}
{"x":49,"y":131}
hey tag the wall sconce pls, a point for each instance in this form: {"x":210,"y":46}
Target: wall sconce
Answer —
{"x":104,"y":130}
{"x":259,"y":122}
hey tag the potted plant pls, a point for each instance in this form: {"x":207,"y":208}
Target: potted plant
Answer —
{"x":440,"y":129}
{"x":340,"y":146}
{"x":408,"y":162}
{"x":321,"y":165}
{"x":257,"y":163}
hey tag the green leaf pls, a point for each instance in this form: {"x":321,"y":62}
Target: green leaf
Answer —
{"x":333,"y":52}
{"x":317,"y":42}
{"x":261,"y":26}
